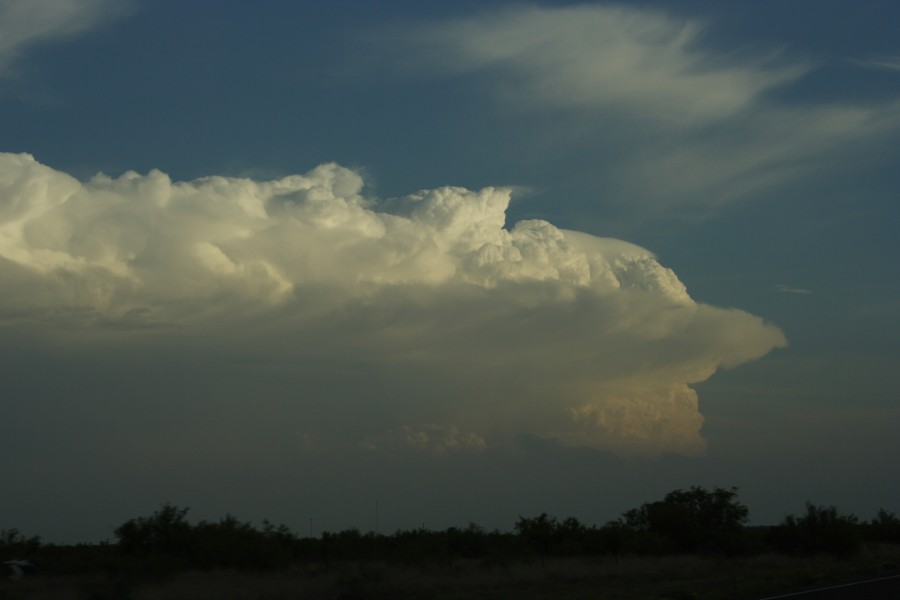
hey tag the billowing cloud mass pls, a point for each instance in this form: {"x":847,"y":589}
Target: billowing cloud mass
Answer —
{"x":460,"y":332}
{"x":25,"y":23}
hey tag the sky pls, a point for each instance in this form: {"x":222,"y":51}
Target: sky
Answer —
{"x":462,"y":262}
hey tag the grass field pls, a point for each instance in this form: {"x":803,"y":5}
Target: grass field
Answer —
{"x":628,"y":578}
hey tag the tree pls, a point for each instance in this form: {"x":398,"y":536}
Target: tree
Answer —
{"x":696,"y":520}
{"x":234,"y":544}
{"x":165,"y":532}
{"x":538,"y":532}
{"x":885,"y":527}
{"x":14,"y":543}
{"x":228,"y":542}
{"x":465,"y":543}
{"x":821,"y":529}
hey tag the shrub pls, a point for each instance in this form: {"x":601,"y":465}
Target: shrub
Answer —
{"x":885,"y":527}
{"x":12,"y":542}
{"x":821,"y":529}
{"x":227,"y":543}
{"x":165,"y":532}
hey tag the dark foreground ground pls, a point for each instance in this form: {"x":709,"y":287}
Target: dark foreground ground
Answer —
{"x":882,"y":588}
{"x":628,"y":578}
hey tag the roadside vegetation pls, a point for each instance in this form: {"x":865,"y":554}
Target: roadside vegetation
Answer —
{"x":692,"y":544}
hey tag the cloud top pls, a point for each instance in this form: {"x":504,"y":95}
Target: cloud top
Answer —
{"x":529,"y":329}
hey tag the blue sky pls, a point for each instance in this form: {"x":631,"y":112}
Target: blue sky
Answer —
{"x":220,"y":322}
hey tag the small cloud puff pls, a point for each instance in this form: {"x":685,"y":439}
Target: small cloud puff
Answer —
{"x":435,"y":439}
{"x":499,"y":331}
{"x":787,"y":289}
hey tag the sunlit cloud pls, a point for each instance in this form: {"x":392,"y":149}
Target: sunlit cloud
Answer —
{"x":419,"y":323}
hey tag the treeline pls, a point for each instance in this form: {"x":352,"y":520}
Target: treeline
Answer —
{"x":696,"y":521}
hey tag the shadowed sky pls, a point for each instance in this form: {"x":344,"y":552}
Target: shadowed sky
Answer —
{"x":288,"y":259}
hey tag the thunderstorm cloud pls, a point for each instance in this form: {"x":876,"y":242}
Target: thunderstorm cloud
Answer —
{"x":421,"y":323}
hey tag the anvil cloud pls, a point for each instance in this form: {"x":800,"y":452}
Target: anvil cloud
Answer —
{"x":527,"y":330}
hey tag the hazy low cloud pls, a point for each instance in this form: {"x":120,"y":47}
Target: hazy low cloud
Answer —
{"x":376,"y":316}
{"x":26,"y":22}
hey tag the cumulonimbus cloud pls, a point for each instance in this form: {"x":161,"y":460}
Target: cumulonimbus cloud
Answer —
{"x":485,"y":332}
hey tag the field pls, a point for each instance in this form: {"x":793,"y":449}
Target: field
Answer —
{"x":606,"y":578}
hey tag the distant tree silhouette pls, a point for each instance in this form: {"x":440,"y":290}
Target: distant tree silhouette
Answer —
{"x":613,"y":538}
{"x":546,"y":536}
{"x":885,"y":527}
{"x":571,"y":537}
{"x":226,"y":543}
{"x":167,"y":531}
{"x":696,"y":520}
{"x":538,"y":532}
{"x":465,"y":543}
{"x":15,"y":545}
{"x":821,"y":529}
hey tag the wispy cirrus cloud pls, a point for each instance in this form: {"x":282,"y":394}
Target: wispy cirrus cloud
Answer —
{"x":770,"y":146}
{"x":23,"y":24}
{"x":885,"y":62}
{"x":789,"y":289}
{"x":629,"y":60}
{"x":692,"y":124}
